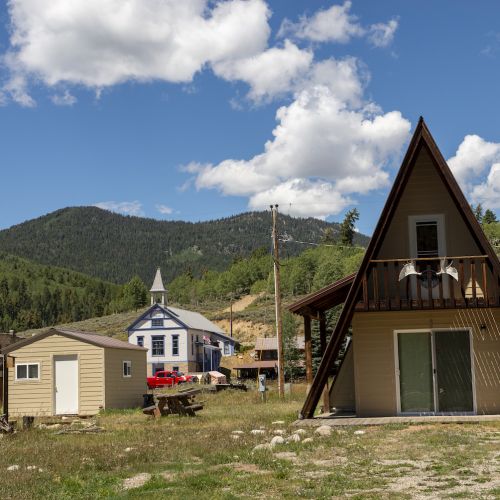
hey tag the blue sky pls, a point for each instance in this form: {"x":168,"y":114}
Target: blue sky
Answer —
{"x":164,"y":108}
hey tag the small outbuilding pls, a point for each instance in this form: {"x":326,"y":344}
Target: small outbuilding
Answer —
{"x":62,"y":372}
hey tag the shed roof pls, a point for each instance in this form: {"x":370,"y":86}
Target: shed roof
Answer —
{"x":87,"y":337}
{"x":271,"y":343}
{"x":257,"y":364}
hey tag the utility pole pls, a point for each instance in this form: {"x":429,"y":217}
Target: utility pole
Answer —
{"x":277,"y":301}
{"x":231,"y":317}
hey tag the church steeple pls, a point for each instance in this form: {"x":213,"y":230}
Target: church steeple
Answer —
{"x":158,"y":290}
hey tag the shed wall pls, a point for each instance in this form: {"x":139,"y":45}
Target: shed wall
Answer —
{"x":374,"y":360}
{"x":36,"y":398}
{"x":342,"y":395}
{"x":120,"y":391}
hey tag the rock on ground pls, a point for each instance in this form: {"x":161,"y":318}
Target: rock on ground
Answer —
{"x":257,"y":431}
{"x":263,"y":446}
{"x":13,"y":467}
{"x":136,"y":481}
{"x":294,"y":438}
{"x":324,"y":430}
{"x":308,"y":440}
{"x":277,"y":440}
{"x":278,"y":422}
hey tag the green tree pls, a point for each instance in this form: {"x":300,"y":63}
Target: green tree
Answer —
{"x":135,"y":293}
{"x":489,"y":217}
{"x":328,"y":237}
{"x":347,"y":227}
{"x":478,"y":212}
{"x":291,"y":353}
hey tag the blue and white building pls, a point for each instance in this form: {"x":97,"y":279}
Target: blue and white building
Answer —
{"x":177,"y":339}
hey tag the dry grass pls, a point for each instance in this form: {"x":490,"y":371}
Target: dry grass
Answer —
{"x":200,"y":458}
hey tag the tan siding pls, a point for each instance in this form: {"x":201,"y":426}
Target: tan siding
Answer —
{"x":373,"y":342}
{"x":342,"y":395}
{"x":120,"y":391}
{"x":426,"y":194}
{"x":37,"y":398}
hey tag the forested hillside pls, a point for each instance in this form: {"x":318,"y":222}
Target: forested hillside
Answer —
{"x":34,"y":295}
{"x":116,"y":247}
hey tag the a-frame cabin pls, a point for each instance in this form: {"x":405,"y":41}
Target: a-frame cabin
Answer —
{"x":423,"y":309}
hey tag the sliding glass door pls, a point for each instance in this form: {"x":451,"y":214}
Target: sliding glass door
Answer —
{"x":415,"y":372}
{"x":435,"y":373}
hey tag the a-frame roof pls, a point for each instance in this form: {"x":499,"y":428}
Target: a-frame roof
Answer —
{"x":422,"y":138}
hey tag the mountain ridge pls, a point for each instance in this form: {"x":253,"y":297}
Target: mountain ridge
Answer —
{"x":115,"y":247}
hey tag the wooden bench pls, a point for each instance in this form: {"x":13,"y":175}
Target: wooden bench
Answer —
{"x":180,"y":403}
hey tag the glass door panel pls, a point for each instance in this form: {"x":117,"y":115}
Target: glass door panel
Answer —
{"x":454,"y":374}
{"x":415,"y":372}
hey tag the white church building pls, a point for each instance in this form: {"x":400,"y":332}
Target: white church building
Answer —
{"x":177,"y":339}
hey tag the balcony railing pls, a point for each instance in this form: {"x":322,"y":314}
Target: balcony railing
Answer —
{"x":428,"y":283}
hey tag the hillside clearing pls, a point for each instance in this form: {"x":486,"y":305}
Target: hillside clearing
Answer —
{"x":211,"y":456}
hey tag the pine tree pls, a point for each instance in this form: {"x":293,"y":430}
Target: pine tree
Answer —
{"x":347,"y":227}
{"x":478,"y":212}
{"x":135,"y":293}
{"x":489,"y":217}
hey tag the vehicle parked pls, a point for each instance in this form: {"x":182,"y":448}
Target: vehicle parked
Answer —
{"x":163,"y":379}
{"x":183,"y":378}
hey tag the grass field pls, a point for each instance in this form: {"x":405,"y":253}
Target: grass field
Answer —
{"x":201,"y":457}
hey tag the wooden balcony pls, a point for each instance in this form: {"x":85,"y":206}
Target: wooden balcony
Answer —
{"x":429,"y":283}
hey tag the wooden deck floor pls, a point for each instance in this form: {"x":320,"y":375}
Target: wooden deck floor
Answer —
{"x":336,"y":421}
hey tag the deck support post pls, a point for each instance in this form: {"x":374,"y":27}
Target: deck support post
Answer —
{"x":322,"y":340}
{"x":308,"y":351}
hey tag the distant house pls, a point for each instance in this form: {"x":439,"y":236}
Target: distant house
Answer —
{"x":177,"y":339}
{"x":62,"y":372}
{"x":266,"y":358}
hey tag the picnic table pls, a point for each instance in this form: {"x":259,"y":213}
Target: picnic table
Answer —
{"x":180,"y":403}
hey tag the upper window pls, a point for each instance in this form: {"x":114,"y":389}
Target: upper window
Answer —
{"x":157,"y":322}
{"x":427,"y":236}
{"x":140,"y":341}
{"x":175,"y":345}
{"x":158,"y":346}
{"x":27,"y":371}
{"x":127,"y":368}
{"x":226,"y":348}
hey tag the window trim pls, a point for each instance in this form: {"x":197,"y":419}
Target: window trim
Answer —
{"x":157,"y":337}
{"x":140,"y":338}
{"x":27,"y":364}
{"x":227,"y":348}
{"x":441,"y":230}
{"x":176,"y":337}
{"x":125,"y":363}
{"x":161,"y":325}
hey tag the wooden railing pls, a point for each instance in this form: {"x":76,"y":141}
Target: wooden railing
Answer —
{"x":428,"y":283}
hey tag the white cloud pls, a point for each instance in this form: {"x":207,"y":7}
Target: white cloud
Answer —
{"x":65,"y":99}
{"x":98,"y":43}
{"x":122,"y":207}
{"x":303,"y":198}
{"x":269,"y":73}
{"x":382,"y":34}
{"x":472,"y":158}
{"x":345,"y":149}
{"x":488,"y":192}
{"x":163,"y":209}
{"x":335,"y":24}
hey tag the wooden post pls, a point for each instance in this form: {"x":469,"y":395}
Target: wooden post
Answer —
{"x":322,"y":340}
{"x":277,"y":301}
{"x":5,"y":394}
{"x":308,"y":351}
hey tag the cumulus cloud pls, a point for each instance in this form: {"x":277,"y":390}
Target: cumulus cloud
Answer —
{"x":269,"y":73}
{"x":335,"y":24}
{"x":122,"y":207}
{"x":382,"y":34}
{"x":164,"y":209}
{"x":318,"y":136}
{"x":98,"y":43}
{"x":476,"y":166}
{"x":472,"y":158}
{"x":64,"y":99}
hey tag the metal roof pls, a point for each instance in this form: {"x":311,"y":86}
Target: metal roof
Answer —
{"x":158,"y":283}
{"x":194,"y":320}
{"x":271,"y":343}
{"x":87,"y":337}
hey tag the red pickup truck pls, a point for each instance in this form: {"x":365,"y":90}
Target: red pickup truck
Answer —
{"x":164,"y":379}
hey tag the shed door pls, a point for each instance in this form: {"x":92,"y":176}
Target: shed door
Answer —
{"x":66,"y":385}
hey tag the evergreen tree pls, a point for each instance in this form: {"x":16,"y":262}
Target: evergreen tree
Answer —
{"x":489,"y":217}
{"x":135,"y":293}
{"x":478,"y":212}
{"x":328,"y":237}
{"x":291,"y":353}
{"x":347,"y":227}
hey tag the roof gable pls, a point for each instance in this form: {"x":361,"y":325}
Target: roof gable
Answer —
{"x":87,"y":337}
{"x":422,"y":138}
